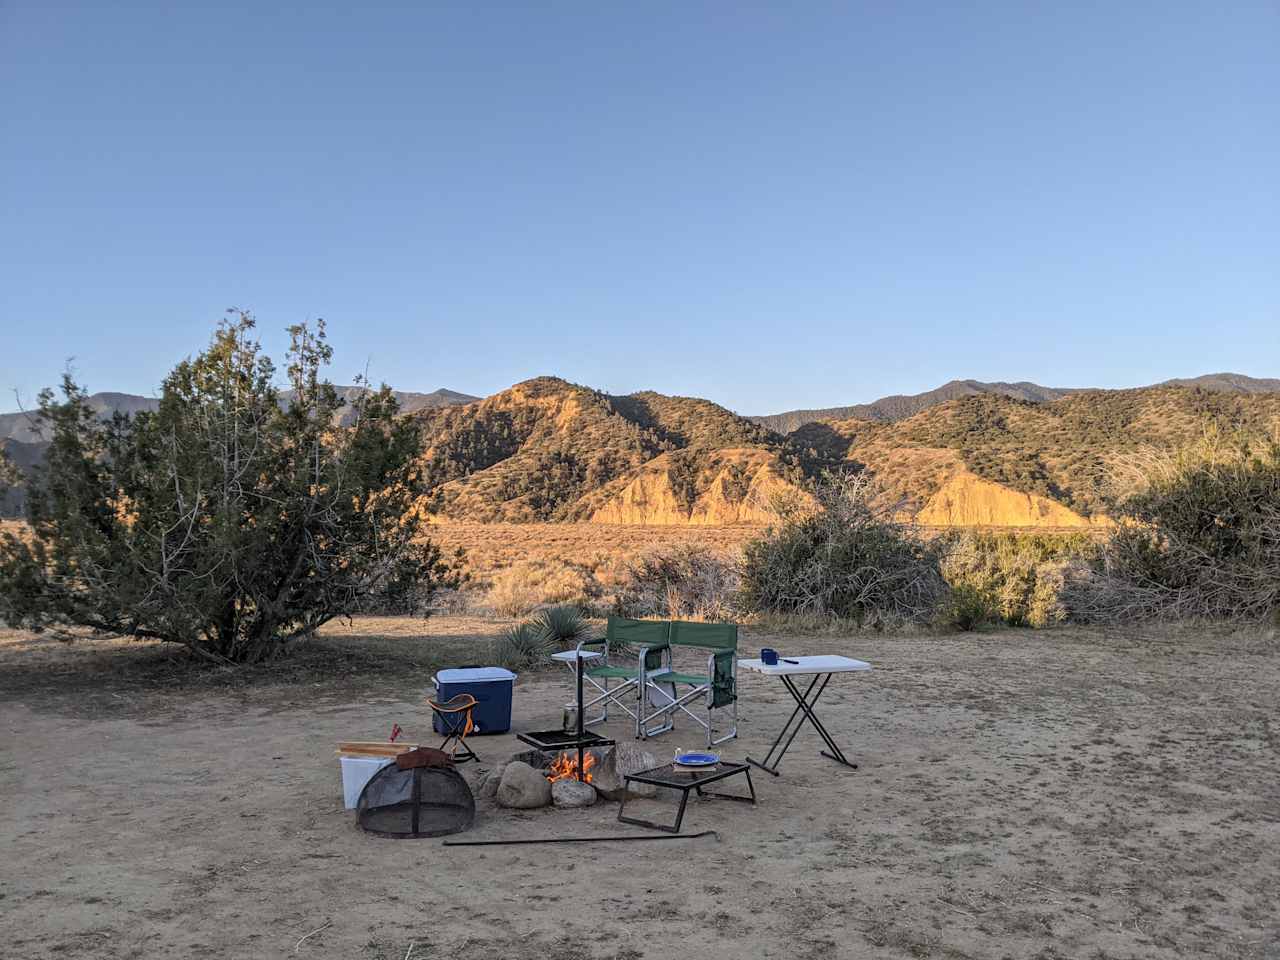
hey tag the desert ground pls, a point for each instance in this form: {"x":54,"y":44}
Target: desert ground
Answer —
{"x":1020,"y":794}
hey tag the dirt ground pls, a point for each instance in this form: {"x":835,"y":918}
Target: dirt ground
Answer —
{"x":1021,"y":794}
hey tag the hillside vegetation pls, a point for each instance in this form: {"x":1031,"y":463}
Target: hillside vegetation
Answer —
{"x":901,"y":406}
{"x":546,"y":450}
{"x":550,"y":450}
{"x":1060,"y":453}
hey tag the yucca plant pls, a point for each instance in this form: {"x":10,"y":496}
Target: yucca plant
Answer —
{"x":561,"y":627}
{"x":522,"y":647}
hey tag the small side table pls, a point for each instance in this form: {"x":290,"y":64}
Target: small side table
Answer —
{"x":676,"y":778}
{"x":820,"y":668}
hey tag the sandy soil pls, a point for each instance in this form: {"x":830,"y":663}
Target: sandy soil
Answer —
{"x":1047,"y":794}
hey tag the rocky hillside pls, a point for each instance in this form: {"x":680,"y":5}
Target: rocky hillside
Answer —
{"x":551,"y":450}
{"x":1056,"y":459}
{"x":899,"y":407}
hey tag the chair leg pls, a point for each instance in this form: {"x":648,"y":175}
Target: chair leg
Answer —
{"x":644,"y":732}
{"x":460,"y":751}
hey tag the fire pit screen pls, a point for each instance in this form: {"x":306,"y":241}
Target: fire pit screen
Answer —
{"x":419,"y":802}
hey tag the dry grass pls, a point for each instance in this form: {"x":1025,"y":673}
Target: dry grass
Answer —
{"x":528,"y":584}
{"x":535,"y":563}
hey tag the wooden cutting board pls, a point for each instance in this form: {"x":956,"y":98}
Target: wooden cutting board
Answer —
{"x":373,"y":748}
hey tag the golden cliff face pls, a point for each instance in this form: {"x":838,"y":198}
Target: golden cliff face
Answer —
{"x":736,"y":487}
{"x":966,"y":500}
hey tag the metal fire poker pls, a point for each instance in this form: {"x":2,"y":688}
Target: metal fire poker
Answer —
{"x":513,"y":843}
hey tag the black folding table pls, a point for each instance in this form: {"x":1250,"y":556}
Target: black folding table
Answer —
{"x":685,"y":779}
{"x":820,"y":669}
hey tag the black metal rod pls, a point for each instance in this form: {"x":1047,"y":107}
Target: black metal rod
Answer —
{"x":581,"y":775}
{"x":512,"y":843}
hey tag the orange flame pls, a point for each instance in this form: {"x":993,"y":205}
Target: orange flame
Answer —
{"x":565,"y":767}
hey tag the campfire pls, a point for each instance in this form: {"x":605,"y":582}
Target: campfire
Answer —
{"x":565,"y":767}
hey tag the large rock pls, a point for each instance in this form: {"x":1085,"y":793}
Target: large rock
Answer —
{"x":607,"y":775}
{"x":487,"y":784}
{"x":534,"y":758}
{"x":523,"y":787}
{"x":572,"y":793}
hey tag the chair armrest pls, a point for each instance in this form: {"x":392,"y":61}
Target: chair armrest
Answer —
{"x":597,"y":642}
{"x":645,"y":652}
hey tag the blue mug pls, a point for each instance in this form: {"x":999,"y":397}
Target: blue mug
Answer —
{"x":769,"y":656}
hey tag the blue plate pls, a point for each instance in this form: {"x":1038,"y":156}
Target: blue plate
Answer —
{"x":698,"y":759}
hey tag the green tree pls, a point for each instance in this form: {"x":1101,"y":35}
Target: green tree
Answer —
{"x":10,"y":478}
{"x":225,"y":521}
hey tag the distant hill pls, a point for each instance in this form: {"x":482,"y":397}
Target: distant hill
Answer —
{"x":551,"y":450}
{"x":23,"y":426}
{"x":899,"y":407}
{"x":992,"y":454}
{"x":1228,"y":383}
{"x":1062,"y":451}
{"x":546,"y":449}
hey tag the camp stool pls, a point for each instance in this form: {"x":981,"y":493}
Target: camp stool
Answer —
{"x":708,"y":693}
{"x":455,"y":717}
{"x":629,"y":647}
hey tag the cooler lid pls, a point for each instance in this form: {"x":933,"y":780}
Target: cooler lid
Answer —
{"x":474,"y":674}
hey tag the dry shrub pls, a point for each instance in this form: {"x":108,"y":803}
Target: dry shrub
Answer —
{"x":686,"y":582}
{"x":847,"y":558}
{"x":527,"y":585}
{"x":1016,"y":578}
{"x":1199,"y":540}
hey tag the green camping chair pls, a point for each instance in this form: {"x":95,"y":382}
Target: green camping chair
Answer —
{"x":630,"y":648}
{"x":706,"y":693}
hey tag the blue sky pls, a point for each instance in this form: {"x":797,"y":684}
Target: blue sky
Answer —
{"x":773,"y":206}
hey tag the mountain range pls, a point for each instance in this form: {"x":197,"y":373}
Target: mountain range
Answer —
{"x":24,"y":426}
{"x":1008,"y":454}
{"x":900,"y":406}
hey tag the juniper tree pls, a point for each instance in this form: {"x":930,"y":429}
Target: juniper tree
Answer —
{"x":226,"y":520}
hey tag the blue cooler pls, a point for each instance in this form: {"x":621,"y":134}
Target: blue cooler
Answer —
{"x":491,"y":686}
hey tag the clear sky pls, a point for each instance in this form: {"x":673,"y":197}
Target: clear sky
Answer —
{"x":771,"y":205}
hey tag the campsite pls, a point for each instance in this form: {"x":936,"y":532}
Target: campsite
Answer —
{"x":578,"y":481}
{"x":1061,"y":793}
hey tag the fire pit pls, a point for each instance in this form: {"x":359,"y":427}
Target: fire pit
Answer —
{"x":559,"y":740}
{"x":566,"y":766}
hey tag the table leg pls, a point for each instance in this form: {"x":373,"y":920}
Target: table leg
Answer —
{"x":711,"y":795}
{"x":804,"y":711}
{"x":836,"y":753}
{"x":639,"y":822}
{"x":771,"y":762}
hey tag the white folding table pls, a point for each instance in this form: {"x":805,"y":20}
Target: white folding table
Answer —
{"x":821,"y":669}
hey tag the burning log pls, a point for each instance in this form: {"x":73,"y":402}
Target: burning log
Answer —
{"x":565,"y":767}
